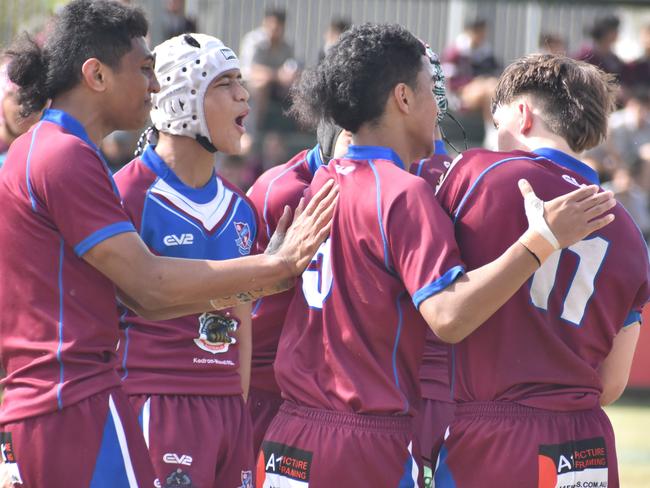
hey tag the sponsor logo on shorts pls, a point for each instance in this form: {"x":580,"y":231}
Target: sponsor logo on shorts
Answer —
{"x":246,"y":479}
{"x":178,"y":479}
{"x":9,"y":467}
{"x":214,"y":332}
{"x":171,"y":458}
{"x":576,"y":464}
{"x":243,"y":241}
{"x":282,"y":466}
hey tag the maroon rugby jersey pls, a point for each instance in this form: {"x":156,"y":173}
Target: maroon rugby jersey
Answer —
{"x":195,"y":354}
{"x":353,"y":337}
{"x":434,"y":372}
{"x":543,"y":348}
{"x":277,"y":187}
{"x":59,"y":321}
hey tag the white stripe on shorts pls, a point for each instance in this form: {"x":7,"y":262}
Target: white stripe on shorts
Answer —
{"x":124,"y":447}
{"x":146,"y":416}
{"x":415,"y":471}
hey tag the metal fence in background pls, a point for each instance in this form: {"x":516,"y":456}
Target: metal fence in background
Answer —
{"x":514,"y":26}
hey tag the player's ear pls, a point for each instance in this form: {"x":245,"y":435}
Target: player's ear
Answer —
{"x":525,"y":117}
{"x":94,"y":74}
{"x":402,"y":96}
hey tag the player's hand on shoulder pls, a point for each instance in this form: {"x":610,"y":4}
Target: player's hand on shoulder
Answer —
{"x":566,"y":219}
{"x":297,"y":244}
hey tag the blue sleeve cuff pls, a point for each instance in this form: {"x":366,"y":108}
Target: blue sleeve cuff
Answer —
{"x":439,"y":147}
{"x":440,"y":284}
{"x":632,"y":318}
{"x":101,"y":235}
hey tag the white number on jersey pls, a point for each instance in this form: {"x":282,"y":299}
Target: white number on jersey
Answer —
{"x":317,"y":278}
{"x":591,"y":254}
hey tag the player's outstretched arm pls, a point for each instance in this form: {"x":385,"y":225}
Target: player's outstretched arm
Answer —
{"x":459,"y":309}
{"x":615,"y":370}
{"x":153,"y":283}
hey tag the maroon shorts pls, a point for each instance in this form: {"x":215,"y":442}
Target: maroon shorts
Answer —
{"x":263,"y":406}
{"x":198,"y":441}
{"x":94,"y":443}
{"x":306,"y":447}
{"x":506,"y":444}
{"x":431,"y":422}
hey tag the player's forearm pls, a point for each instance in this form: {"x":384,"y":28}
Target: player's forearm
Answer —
{"x":461,"y":308}
{"x":175,"y":282}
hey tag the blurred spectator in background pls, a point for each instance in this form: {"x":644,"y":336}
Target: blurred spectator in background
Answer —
{"x":550,"y":43}
{"x":338,"y":25}
{"x":12,"y":123}
{"x":638,"y":71}
{"x":629,"y":128}
{"x":118,"y":148}
{"x":471,"y":70}
{"x":174,"y":20}
{"x":631,"y":195}
{"x":599,"y":52}
{"x":268,"y":65}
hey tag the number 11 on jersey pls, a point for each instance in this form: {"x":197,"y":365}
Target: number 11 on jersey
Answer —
{"x":591,"y":254}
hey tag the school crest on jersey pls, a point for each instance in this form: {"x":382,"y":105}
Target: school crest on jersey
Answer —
{"x":244,"y":240}
{"x":214,"y":332}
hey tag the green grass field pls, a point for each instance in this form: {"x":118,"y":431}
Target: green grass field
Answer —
{"x":631,"y":423}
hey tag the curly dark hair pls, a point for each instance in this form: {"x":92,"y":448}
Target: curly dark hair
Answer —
{"x":351,"y":84}
{"x":83,"y":29}
{"x":576,"y":98}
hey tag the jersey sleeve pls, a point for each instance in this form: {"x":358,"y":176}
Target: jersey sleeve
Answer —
{"x":80,"y":199}
{"x":422,"y":246}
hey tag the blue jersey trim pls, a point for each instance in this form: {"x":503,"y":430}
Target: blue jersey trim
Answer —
{"x":632,"y":318}
{"x":565,"y":160}
{"x":440,"y":284}
{"x":400,"y":322}
{"x":154,"y":162}
{"x":486,"y":171}
{"x":268,"y":193}
{"x":69,"y":124}
{"x":314,"y":159}
{"x":102,"y":234}
{"x":439,"y":147}
{"x":420,"y":167}
{"x":257,"y":306}
{"x":374,"y":152}
{"x":30,"y":191}
{"x":380,"y":220}
{"x":407,"y":480}
{"x":59,"y":397}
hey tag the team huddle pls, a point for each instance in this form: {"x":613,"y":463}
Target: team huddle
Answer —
{"x":371,"y":313}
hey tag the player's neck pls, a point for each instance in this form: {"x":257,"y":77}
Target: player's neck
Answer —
{"x":187,"y":159}
{"x":385,"y":136}
{"x":87,"y":112}
{"x":537,"y":142}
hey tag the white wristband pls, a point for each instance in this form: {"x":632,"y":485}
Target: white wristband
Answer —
{"x":534,"y":208}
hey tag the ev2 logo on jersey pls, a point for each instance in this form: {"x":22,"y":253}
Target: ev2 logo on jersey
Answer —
{"x":182,"y":240}
{"x":317,"y":279}
{"x":173,"y":458}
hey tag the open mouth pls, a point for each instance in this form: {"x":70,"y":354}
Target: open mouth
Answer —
{"x":239,"y":121}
